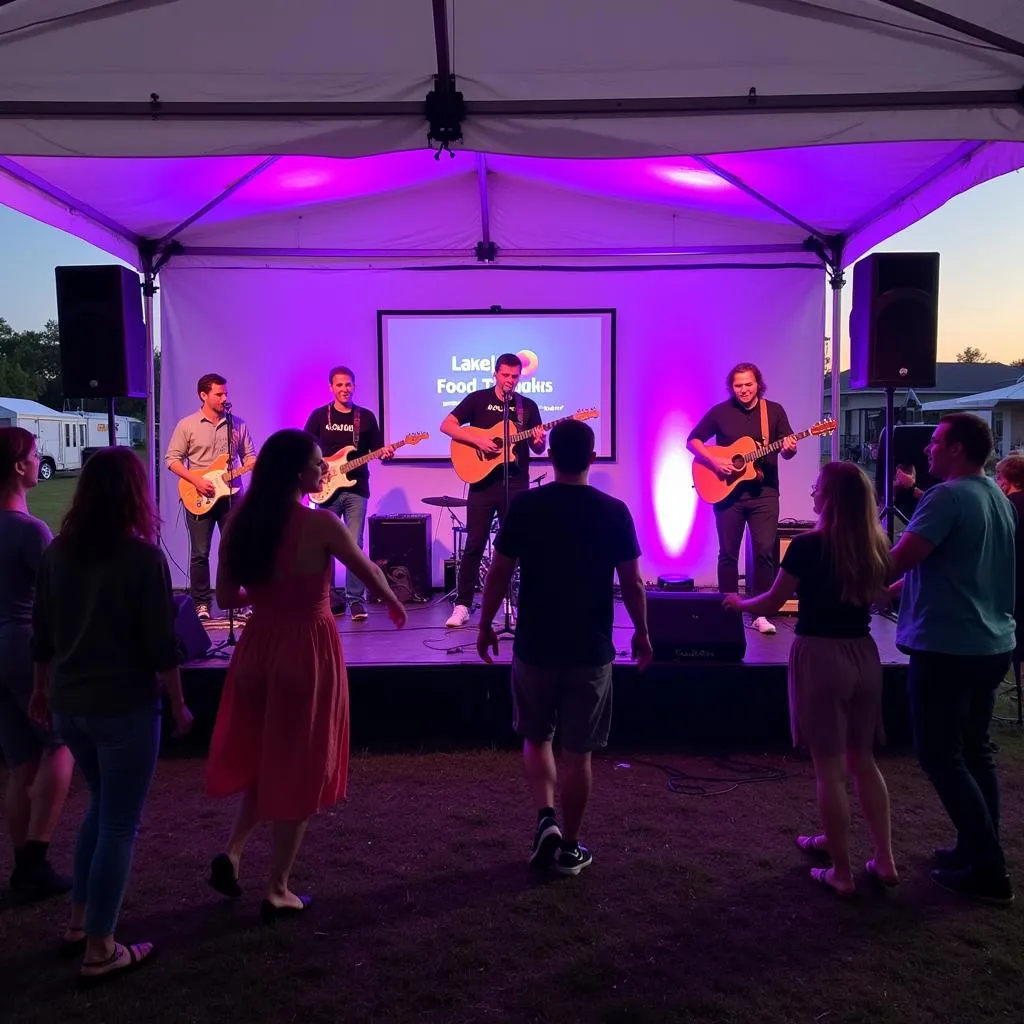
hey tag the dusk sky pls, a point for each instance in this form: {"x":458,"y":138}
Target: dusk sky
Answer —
{"x":978,"y":234}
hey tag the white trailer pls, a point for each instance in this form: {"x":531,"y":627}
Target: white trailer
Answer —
{"x":60,"y":436}
{"x":129,"y":430}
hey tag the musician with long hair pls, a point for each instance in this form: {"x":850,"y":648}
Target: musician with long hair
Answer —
{"x":39,"y":765}
{"x":754,"y":504}
{"x":282,"y":733}
{"x":838,"y":571}
{"x":104,"y":647}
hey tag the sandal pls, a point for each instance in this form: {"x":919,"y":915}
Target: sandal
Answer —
{"x":813,"y":844}
{"x":820,"y":875}
{"x":121,"y":961}
{"x":873,"y":873}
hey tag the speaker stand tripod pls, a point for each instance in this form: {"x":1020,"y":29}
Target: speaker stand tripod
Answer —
{"x":889,"y":512}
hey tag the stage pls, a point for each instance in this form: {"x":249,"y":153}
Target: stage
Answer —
{"x":425,"y":687}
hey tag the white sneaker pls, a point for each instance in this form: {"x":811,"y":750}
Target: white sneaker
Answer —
{"x":459,"y":616}
{"x":763,"y":625}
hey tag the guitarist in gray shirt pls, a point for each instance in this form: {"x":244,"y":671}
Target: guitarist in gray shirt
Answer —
{"x":198,"y":440}
{"x":754,"y":504}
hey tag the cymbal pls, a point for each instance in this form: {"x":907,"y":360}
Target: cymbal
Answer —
{"x":445,"y":501}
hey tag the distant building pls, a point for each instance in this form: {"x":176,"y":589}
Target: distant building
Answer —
{"x":1002,"y":409}
{"x":862,"y":412}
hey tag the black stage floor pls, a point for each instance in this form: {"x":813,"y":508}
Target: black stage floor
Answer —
{"x":425,"y":686}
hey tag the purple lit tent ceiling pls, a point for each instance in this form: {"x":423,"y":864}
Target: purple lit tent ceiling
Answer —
{"x":296,"y":133}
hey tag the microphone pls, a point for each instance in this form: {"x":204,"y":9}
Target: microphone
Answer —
{"x":227,"y":407}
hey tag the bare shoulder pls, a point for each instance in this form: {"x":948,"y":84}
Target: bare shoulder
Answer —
{"x":320,"y":522}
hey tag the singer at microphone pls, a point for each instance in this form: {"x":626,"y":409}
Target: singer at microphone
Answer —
{"x":478,"y":421}
{"x":204,"y":444}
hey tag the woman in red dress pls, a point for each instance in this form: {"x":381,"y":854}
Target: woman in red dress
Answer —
{"x":282,"y":731}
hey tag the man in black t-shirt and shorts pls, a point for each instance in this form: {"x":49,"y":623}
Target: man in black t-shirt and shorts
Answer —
{"x":570,"y":540}
{"x":754,"y":503}
{"x":486,"y":409}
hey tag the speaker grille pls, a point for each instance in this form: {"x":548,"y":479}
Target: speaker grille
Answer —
{"x":400,"y":545}
{"x":102,"y":332}
{"x":894,"y":321}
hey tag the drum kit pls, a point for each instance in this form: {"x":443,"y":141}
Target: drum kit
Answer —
{"x":459,"y":532}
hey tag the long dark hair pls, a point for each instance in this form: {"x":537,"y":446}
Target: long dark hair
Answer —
{"x":111,"y":503}
{"x":256,"y":527}
{"x":15,"y":446}
{"x":854,"y":540}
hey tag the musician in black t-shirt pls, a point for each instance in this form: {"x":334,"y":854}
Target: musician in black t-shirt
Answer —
{"x":342,"y":424}
{"x":754,"y":503}
{"x":487,"y":497}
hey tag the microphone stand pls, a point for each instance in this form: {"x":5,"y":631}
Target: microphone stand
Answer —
{"x":232,"y":639}
{"x":507,"y":628}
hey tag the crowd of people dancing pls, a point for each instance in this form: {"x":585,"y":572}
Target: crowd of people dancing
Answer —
{"x":89,"y":657}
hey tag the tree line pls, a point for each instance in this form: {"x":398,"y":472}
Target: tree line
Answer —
{"x":30,"y":368}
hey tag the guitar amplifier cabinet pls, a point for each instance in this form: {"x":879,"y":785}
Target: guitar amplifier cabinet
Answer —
{"x":400,"y":545}
{"x":693,"y":626}
{"x":786,"y":532}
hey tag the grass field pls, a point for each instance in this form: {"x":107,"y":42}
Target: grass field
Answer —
{"x":51,"y":498}
{"x":698,"y":907}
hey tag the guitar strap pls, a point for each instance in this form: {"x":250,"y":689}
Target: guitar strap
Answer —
{"x":355,"y":421}
{"x":764,"y":436}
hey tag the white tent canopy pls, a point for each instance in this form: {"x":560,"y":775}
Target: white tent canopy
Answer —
{"x":322,"y":77}
{"x":227,"y":137}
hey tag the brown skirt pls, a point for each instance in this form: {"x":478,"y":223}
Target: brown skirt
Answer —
{"x":835,"y":694}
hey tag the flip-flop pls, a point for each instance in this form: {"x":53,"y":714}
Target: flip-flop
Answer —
{"x":813,"y":844}
{"x":820,"y":875}
{"x":887,"y":883}
{"x":271,"y":914}
{"x":114,"y":967}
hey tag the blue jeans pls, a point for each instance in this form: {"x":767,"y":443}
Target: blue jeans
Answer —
{"x":117,"y":757}
{"x":951,"y":702}
{"x":351,"y":510}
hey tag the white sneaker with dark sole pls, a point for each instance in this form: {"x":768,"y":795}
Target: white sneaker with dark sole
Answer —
{"x":459,"y":616}
{"x":764,"y":626}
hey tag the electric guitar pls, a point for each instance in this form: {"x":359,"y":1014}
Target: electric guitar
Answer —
{"x":742,"y":454}
{"x":472,"y":465}
{"x":339,"y":464}
{"x":223,"y":480}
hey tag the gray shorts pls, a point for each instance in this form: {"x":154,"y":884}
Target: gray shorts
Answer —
{"x":577,"y":701}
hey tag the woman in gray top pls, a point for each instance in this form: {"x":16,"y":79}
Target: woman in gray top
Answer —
{"x":39,"y":765}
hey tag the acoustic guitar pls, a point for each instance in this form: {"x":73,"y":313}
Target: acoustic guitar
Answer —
{"x":339,"y":464}
{"x":742,"y":454}
{"x":224,"y":484}
{"x":472,"y":465}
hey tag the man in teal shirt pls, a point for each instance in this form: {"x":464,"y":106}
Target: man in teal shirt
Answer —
{"x":956,"y":622}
